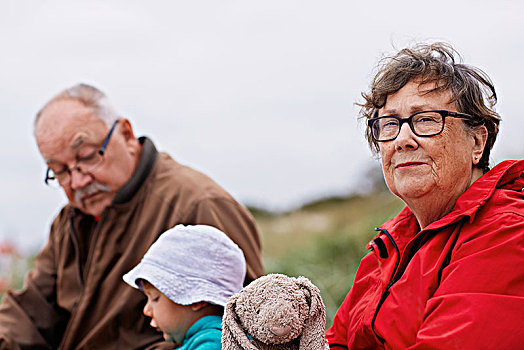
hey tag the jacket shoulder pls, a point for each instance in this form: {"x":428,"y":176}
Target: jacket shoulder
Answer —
{"x":507,"y":197}
{"x":173,"y":178}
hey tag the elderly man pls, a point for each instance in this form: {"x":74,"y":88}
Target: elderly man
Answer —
{"x":122,"y":194}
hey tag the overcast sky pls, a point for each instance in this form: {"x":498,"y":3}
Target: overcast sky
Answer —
{"x":257,"y":94}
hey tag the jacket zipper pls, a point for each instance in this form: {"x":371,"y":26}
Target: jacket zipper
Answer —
{"x":76,"y":243}
{"x":86,"y":270}
{"x":397,"y":272}
{"x":392,"y":281}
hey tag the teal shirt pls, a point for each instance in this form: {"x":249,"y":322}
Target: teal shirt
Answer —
{"x":204,"y":334}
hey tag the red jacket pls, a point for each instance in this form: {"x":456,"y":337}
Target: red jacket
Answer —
{"x":456,"y":284}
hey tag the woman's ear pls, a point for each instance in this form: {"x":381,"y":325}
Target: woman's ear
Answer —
{"x":480,"y":136}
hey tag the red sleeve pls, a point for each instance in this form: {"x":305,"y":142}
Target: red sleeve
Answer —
{"x":337,"y":333}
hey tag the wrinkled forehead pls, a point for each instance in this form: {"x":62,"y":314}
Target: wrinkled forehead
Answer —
{"x":66,"y":125}
{"x":416,"y":96}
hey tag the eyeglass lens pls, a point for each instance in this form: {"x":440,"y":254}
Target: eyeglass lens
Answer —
{"x":422,"y":124}
{"x":84,"y":165}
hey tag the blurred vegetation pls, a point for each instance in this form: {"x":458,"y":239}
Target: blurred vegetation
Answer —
{"x":325,"y":240}
{"x":13,"y":267}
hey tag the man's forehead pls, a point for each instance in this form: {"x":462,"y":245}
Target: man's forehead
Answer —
{"x":64,"y":110}
{"x":65,"y":127}
{"x":78,"y":140}
{"x":67,"y":116}
{"x":64,"y":147}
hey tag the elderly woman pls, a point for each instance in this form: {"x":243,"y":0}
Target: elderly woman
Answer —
{"x":447,"y":272}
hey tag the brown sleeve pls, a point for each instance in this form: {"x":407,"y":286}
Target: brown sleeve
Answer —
{"x":236,"y":221}
{"x":30,"y":318}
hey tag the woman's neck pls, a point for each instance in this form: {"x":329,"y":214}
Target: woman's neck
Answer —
{"x":437,"y":204}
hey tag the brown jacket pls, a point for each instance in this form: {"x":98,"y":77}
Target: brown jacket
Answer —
{"x":75,"y":297}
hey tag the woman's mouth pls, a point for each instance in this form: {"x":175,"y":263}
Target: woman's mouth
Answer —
{"x":406,"y":165}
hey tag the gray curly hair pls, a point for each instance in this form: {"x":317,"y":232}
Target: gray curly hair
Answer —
{"x":471,"y":89}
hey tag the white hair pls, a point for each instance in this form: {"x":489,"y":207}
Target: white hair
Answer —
{"x":90,"y":97}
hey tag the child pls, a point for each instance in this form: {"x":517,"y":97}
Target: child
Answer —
{"x":188,"y":275}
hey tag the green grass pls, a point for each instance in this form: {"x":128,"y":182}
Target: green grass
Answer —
{"x":13,"y":268}
{"x":324,"y":241}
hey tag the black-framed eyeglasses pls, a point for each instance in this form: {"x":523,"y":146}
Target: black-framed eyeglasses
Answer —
{"x":83,"y":165}
{"x":423,"y":124}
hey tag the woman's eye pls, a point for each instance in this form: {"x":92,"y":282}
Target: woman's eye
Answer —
{"x":390,"y":124}
{"x":427,"y":118}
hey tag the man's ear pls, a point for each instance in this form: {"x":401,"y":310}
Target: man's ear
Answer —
{"x":126,"y":129}
{"x":131,"y":142}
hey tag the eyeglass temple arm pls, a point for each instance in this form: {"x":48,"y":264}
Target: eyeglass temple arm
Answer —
{"x":47,"y":177}
{"x":106,"y":141}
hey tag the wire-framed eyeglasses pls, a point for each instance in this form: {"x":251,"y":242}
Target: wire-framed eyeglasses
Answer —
{"x":423,"y":124}
{"x":83,"y":165}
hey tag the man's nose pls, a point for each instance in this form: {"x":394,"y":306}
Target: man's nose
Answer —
{"x":79,"y":179}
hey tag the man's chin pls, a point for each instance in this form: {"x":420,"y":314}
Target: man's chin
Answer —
{"x":91,"y":207}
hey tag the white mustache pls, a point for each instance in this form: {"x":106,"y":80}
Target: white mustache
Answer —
{"x":90,"y":189}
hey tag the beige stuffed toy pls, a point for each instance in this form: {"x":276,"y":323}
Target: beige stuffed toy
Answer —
{"x":275,"y":312}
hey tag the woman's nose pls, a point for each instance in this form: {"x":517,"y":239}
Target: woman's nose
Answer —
{"x":405,"y":138}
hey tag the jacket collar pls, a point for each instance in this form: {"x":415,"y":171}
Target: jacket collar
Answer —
{"x":206,"y":322}
{"x":145,"y":165}
{"x":507,"y":173}
{"x":482,"y":190}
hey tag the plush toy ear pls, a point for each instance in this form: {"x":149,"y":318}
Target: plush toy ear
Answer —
{"x":313,"y":334}
{"x":233,"y":336}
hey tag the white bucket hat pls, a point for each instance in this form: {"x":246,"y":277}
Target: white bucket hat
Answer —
{"x":191,"y":264}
